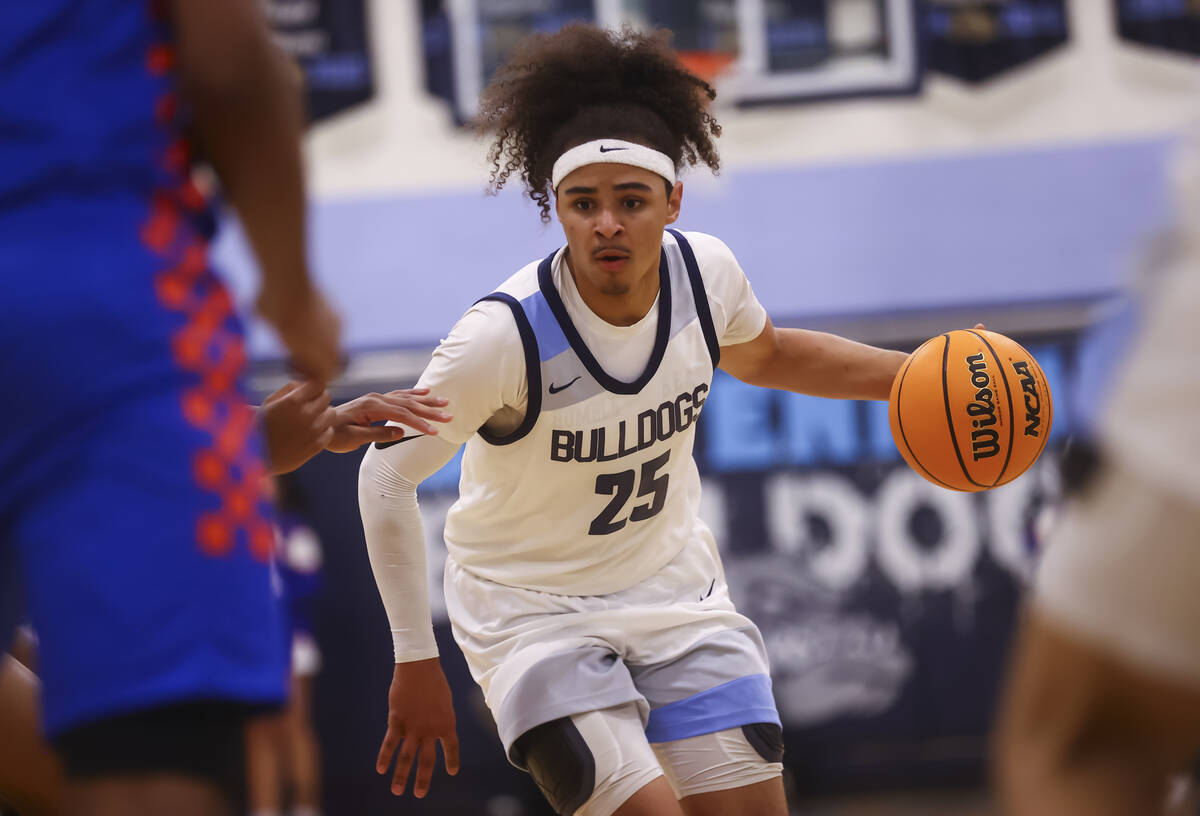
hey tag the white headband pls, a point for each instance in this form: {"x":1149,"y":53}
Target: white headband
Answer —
{"x":612,"y":151}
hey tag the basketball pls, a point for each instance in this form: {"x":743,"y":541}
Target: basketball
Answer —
{"x":970,"y":410}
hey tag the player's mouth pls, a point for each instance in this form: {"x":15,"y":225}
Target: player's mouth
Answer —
{"x":611,"y":259}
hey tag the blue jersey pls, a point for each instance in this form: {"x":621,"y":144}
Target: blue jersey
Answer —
{"x":90,"y":122}
{"x":130,"y":480}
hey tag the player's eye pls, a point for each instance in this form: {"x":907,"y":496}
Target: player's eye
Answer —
{"x":583,"y":205}
{"x":632,"y":203}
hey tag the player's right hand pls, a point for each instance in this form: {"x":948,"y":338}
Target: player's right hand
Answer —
{"x":309,"y":329}
{"x":297,"y":423}
{"x":420,"y":713}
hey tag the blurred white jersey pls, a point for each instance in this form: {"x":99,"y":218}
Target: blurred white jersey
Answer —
{"x":1123,"y":567}
{"x":596,"y":489}
{"x":1150,"y":424}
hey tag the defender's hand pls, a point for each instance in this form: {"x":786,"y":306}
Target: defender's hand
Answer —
{"x":420,"y":714}
{"x":297,"y":422}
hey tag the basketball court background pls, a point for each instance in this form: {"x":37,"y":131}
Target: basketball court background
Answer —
{"x":890,"y":170}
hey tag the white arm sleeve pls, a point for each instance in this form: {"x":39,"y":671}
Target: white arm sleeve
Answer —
{"x":480,"y":369}
{"x":391,"y":517}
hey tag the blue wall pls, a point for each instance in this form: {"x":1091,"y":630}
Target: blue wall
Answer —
{"x":1023,"y":226}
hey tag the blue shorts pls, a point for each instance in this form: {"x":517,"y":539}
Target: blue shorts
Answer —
{"x":131,"y":500}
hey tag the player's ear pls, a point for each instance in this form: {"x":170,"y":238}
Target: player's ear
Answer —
{"x":674,"y":201}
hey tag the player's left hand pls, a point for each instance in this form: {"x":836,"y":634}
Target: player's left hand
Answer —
{"x":411,"y":407}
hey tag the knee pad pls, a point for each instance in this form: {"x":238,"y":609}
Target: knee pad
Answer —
{"x":732,"y":758}
{"x":589,"y":764}
{"x":560,"y":761}
{"x":766,"y":739}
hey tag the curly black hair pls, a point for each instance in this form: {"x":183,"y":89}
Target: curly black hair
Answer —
{"x":583,"y":83}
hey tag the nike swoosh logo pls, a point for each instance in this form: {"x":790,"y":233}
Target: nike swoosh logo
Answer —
{"x":604,"y":149}
{"x":382,"y":445}
{"x":554,"y":389}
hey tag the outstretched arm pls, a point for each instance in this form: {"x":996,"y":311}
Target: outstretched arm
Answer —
{"x":298,"y":422}
{"x":420,"y":710}
{"x":247,"y":117}
{"x":812,"y":362}
{"x":480,"y":368}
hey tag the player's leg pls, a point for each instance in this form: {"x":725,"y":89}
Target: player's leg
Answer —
{"x":1104,"y":699}
{"x":30,"y":776}
{"x":727,"y":773}
{"x":179,"y":795}
{"x":265,"y":762}
{"x":655,"y":798}
{"x":1086,"y":734}
{"x":712,"y":722}
{"x":563,"y":701}
{"x":757,"y":799}
{"x":300,"y":741}
{"x":597,"y":763}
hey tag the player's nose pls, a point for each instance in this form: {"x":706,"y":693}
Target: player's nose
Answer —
{"x":607,"y":224}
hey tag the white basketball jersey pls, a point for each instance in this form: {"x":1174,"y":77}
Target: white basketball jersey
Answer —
{"x":596,"y":489}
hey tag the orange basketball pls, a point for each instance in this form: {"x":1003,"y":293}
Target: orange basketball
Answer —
{"x":970,"y":410}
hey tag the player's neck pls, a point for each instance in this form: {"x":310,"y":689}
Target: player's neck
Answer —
{"x":622,"y":309}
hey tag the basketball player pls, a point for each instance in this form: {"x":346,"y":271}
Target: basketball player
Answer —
{"x":129,"y":477}
{"x":297,"y":423}
{"x":583,"y":589}
{"x":1104,"y":699}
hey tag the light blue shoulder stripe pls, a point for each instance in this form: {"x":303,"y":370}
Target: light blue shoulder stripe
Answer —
{"x":550,"y":337}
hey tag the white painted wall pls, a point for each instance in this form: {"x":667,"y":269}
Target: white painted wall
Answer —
{"x":1094,"y":89}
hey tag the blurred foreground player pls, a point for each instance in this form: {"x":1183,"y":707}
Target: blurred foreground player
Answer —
{"x":583,"y":588}
{"x":129,"y":477}
{"x":297,"y":422}
{"x":1104,"y":699}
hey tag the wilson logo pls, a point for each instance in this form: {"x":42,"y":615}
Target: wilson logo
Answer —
{"x":985,"y":440}
{"x":1033,"y":401}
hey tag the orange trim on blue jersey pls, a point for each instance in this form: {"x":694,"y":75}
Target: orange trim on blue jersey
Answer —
{"x":204,"y":345}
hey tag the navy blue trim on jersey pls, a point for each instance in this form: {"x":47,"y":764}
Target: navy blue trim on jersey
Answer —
{"x":701,"y":297}
{"x":533,"y":373}
{"x":608,"y":382}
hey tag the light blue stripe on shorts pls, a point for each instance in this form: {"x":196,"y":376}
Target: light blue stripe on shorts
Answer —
{"x":743,"y":701}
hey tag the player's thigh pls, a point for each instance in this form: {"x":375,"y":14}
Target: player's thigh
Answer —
{"x":1121,"y":570}
{"x":757,"y":799}
{"x":30,"y":775}
{"x":733,"y":771}
{"x":1108,"y":662}
{"x":591,"y":763}
{"x":1070,"y":702}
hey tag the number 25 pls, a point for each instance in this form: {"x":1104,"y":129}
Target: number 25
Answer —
{"x":621,"y":484}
